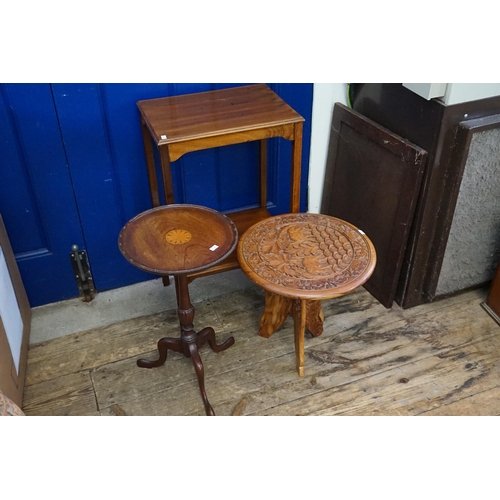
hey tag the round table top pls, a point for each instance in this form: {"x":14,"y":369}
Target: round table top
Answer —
{"x":177,"y":239}
{"x":308,"y":256}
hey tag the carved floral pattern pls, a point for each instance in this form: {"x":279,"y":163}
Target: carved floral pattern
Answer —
{"x":306,"y":251}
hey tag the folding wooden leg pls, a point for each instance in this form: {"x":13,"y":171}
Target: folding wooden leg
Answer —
{"x":299,"y":325}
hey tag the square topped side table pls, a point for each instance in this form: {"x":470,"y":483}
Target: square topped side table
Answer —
{"x":192,"y":122}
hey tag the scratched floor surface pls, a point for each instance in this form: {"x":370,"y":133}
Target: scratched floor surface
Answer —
{"x":437,"y":359}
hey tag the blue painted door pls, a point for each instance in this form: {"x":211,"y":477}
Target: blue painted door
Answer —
{"x":73,"y":171}
{"x":36,"y":192}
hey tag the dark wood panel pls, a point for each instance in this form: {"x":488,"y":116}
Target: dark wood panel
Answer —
{"x":434,"y":127}
{"x":372,"y":180}
{"x":486,"y":233}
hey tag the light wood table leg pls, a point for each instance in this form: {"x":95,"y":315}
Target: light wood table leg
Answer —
{"x":150,"y":163}
{"x":314,"y":317}
{"x":296,"y":167}
{"x":299,"y":326}
{"x":263,"y":173}
{"x":306,"y":314}
{"x":168,"y":186}
{"x":276,"y":310}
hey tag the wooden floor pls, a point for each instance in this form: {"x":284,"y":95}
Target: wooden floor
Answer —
{"x":437,"y":359}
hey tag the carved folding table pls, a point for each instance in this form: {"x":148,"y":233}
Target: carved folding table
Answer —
{"x":299,"y":260}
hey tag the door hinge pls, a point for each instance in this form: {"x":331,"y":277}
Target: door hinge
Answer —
{"x":83,"y":276}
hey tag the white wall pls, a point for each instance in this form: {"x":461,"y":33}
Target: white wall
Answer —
{"x":327,"y":94}
{"x":464,"y":92}
{"x":324,"y":97}
{"x":454,"y":93}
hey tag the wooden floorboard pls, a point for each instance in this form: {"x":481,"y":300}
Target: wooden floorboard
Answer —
{"x":441,"y":358}
{"x":67,"y":395}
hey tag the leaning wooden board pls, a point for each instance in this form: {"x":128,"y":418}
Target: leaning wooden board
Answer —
{"x":373,"y":180}
{"x":15,"y":301}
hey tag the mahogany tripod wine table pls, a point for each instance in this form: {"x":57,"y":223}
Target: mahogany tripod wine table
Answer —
{"x":299,"y":260}
{"x":178,"y":240}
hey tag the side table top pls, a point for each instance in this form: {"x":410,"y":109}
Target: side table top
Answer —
{"x":216,"y":112}
{"x":177,"y":239}
{"x":308,"y":256}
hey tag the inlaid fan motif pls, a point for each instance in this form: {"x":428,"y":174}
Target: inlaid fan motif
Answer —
{"x":178,"y":236}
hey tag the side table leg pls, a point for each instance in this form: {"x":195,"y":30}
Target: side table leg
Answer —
{"x":299,"y":324}
{"x":164,"y":345}
{"x":314,"y":317}
{"x":296,"y":165}
{"x":200,"y":373}
{"x":263,"y":173}
{"x":208,"y":335}
{"x":150,"y":163}
{"x":189,"y":337}
{"x":168,"y":187}
{"x":306,"y":314}
{"x":276,"y":310}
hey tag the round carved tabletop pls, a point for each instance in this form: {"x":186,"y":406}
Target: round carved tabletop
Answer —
{"x":177,"y":239}
{"x":308,"y":256}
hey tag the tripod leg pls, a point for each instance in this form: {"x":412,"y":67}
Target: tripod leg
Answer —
{"x":198,"y":366}
{"x":208,"y":335}
{"x":164,"y":345}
